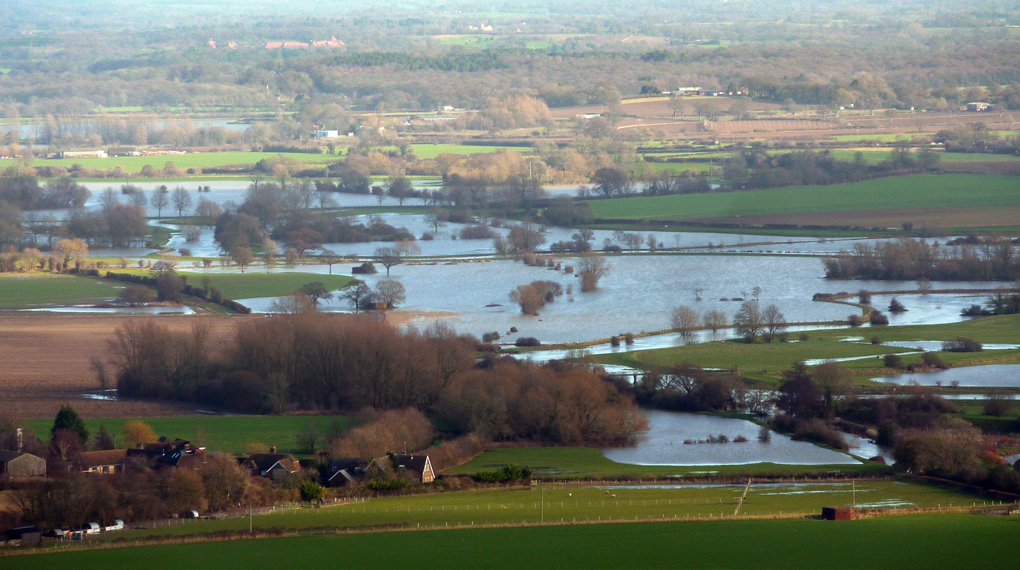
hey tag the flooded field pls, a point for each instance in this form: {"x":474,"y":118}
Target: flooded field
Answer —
{"x":990,"y":376}
{"x":663,"y":444}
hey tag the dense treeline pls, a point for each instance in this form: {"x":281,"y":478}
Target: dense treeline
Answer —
{"x":910,"y":259}
{"x":758,"y":169}
{"x":879,"y":56}
{"x":346,"y":363}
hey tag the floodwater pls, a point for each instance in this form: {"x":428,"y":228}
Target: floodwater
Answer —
{"x":663,"y":444}
{"x":989,"y":376}
{"x":153,"y":310}
{"x":637,"y":295}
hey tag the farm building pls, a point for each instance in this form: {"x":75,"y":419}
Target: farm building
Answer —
{"x":82,"y":154}
{"x":272,"y":465}
{"x":20,"y":464}
{"x":978,"y":106}
{"x":106,"y":462}
{"x":839,"y":513}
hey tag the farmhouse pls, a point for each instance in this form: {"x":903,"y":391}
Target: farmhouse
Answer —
{"x":19,"y":464}
{"x":106,"y":462}
{"x":417,"y":467}
{"x":272,"y":465}
{"x":344,"y":472}
{"x":170,"y":454}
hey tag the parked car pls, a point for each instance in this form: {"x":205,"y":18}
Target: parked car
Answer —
{"x":91,"y":528}
{"x":189,"y":515}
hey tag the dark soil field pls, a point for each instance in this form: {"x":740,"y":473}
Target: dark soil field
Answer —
{"x":46,"y":362}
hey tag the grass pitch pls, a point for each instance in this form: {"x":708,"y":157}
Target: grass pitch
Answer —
{"x":918,"y":542}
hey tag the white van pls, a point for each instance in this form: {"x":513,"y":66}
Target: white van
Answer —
{"x":91,"y":528}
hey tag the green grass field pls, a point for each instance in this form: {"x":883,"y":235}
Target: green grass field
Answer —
{"x":134,"y":164}
{"x":584,"y":462}
{"x":588,"y":503}
{"x":920,"y":542}
{"x":19,"y":291}
{"x":257,"y":283}
{"x":918,"y":191}
{"x":227,"y":434}
{"x":765,"y":362}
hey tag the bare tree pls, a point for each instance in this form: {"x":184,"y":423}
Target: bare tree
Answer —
{"x":774,"y":321}
{"x":592,"y":267}
{"x":160,"y":200}
{"x":181,"y":200}
{"x":834,"y":380}
{"x":242,"y":256}
{"x":684,"y":319}
{"x":316,"y":291}
{"x":388,"y":257}
{"x":749,"y":320}
{"x":715,"y":320}
{"x":358,"y":295}
{"x":437,"y":219}
{"x":330,"y":258}
{"x":390,"y":292}
{"x":529,"y":298}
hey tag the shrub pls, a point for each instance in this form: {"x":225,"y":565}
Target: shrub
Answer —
{"x":804,"y":337}
{"x":477,"y":231}
{"x":974,"y":311}
{"x":135,"y":295}
{"x":892,"y":361}
{"x":366,"y":268}
{"x":387,"y":485}
{"x":504,"y":474}
{"x":628,"y":338}
{"x":934,"y":360}
{"x":527,"y":341}
{"x":878,"y":319}
{"x":311,"y":491}
{"x":854,"y":320}
{"x":962,"y":344}
{"x":818,"y":431}
{"x":864,"y":297}
{"x":490,"y":336}
{"x":876,"y":340}
{"x":614,"y":341}
{"x":895,"y":306}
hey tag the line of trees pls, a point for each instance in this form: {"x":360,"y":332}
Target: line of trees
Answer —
{"x":910,"y":259}
{"x":316,"y":361}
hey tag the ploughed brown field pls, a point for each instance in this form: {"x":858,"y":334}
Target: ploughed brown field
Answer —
{"x":656,"y":115}
{"x":46,"y":362}
{"x":933,"y":218}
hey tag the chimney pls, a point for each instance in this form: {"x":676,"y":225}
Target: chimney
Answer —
{"x":19,"y":440}
{"x":405,"y":449}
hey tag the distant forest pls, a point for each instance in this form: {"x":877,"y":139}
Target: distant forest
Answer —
{"x":67,"y":59}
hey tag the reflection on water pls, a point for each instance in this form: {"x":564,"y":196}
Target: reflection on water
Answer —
{"x":992,"y":376}
{"x":663,"y":444}
{"x":155,"y":310}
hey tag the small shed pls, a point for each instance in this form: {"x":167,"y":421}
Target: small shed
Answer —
{"x":25,"y":536}
{"x":839,"y":513}
{"x":20,"y":464}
